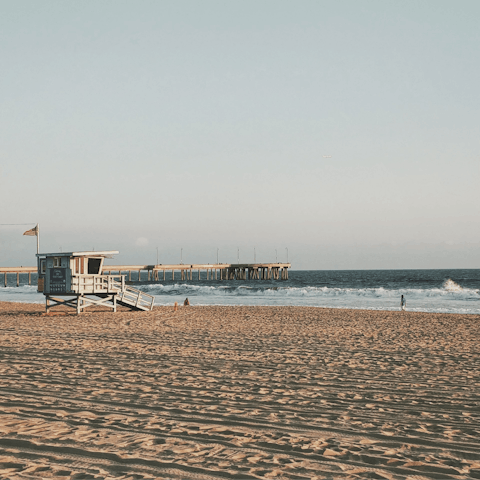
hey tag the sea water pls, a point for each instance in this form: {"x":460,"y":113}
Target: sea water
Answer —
{"x":449,"y":291}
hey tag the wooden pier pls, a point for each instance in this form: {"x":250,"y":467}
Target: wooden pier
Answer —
{"x":17,"y":271}
{"x":214,"y":271}
{"x":156,"y":273}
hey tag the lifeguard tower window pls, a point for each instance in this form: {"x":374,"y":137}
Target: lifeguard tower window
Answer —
{"x":94,"y":266}
{"x":57,"y":262}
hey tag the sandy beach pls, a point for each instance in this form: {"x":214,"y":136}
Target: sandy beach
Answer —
{"x":238,"y":392}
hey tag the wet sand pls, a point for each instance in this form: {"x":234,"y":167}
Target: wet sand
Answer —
{"x":238,"y":392}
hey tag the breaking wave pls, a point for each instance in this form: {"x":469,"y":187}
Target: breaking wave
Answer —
{"x":450,"y":297}
{"x":451,"y":286}
{"x":448,"y":289}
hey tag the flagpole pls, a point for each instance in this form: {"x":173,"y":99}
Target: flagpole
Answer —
{"x":38,"y":238}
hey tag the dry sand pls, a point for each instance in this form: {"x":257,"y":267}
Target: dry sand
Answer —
{"x":239,"y":392}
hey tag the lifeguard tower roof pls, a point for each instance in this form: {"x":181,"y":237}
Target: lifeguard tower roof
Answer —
{"x":106,"y":254}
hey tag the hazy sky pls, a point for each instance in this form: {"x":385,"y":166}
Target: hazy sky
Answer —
{"x":132,"y":125}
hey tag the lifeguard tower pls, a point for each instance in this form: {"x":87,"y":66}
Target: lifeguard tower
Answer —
{"x":78,"y":275}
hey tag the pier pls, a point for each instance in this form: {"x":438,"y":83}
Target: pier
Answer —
{"x":214,"y":271}
{"x":155,"y":273}
{"x":17,"y":271}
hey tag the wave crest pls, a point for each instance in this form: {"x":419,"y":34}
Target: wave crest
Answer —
{"x":450,"y":286}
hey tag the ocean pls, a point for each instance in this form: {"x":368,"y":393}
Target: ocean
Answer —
{"x":447,"y":291}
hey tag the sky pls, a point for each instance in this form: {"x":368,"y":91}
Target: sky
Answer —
{"x":342,"y":132}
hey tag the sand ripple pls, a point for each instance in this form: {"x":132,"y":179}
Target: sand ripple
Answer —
{"x":239,"y":392}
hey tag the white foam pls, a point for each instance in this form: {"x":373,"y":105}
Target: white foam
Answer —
{"x":23,"y":294}
{"x":449,"y":297}
{"x":451,"y":286}
{"x":450,"y":289}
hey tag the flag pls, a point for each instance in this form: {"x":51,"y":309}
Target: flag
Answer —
{"x":32,"y":232}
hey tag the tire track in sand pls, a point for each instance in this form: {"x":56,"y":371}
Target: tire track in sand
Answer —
{"x":240,"y":392}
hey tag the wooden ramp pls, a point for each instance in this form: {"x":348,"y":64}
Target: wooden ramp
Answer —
{"x":134,"y":298}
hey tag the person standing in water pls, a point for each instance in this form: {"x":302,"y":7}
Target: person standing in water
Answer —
{"x":403,"y":303}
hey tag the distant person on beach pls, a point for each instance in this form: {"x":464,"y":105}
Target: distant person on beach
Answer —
{"x":186,"y":302}
{"x":403,"y":303}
